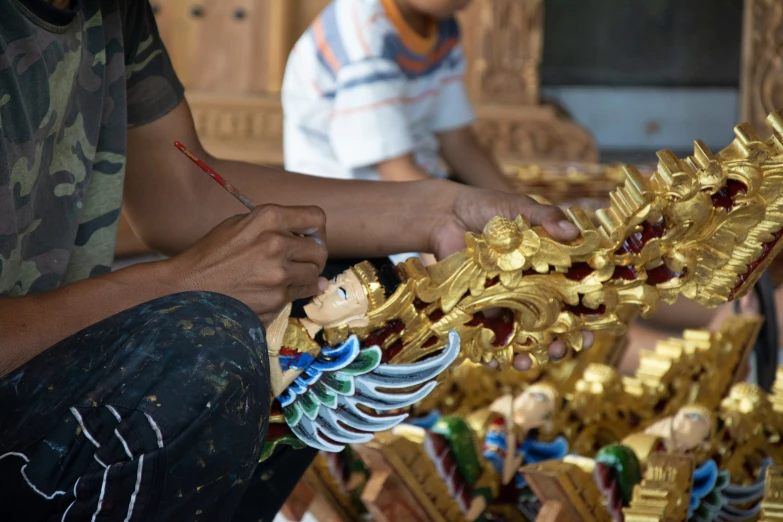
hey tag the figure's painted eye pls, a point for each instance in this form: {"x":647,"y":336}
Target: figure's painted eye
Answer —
{"x":342,"y":293}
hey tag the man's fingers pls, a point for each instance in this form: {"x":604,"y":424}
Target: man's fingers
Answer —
{"x":305,"y":250}
{"x":557,"y":350}
{"x":561,"y":229}
{"x":749,"y":304}
{"x":307,"y":221}
{"x":588,"y":338}
{"x":552,"y":218}
{"x":302,"y":291}
{"x":522,"y":362}
{"x":303,"y":274}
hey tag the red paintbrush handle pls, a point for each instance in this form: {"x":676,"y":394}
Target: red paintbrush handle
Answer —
{"x":214,"y":175}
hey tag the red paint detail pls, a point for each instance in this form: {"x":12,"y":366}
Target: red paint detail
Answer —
{"x":602,"y":475}
{"x":636,"y":241}
{"x":628,"y":273}
{"x":661,"y":274}
{"x":578,"y":271}
{"x":430,"y":342}
{"x":419,"y":305}
{"x":289,"y":352}
{"x":492,"y":282}
{"x":724,"y":198}
{"x":502,"y":325}
{"x":277,"y":430}
{"x":499,"y":422}
{"x":392,"y":351}
{"x":767,"y":249}
{"x":436,"y":315}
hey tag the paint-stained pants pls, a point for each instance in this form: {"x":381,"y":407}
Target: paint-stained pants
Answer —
{"x":156,"y":414}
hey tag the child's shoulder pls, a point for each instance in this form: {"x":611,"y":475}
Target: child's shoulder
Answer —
{"x":366,"y":24}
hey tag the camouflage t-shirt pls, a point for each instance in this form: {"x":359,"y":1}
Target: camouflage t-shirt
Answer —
{"x":71,"y":83}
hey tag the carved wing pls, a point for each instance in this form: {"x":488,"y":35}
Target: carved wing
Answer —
{"x":705,"y":502}
{"x":744,"y":502}
{"x":342,"y":396}
{"x":714,"y":497}
{"x":538,"y":451}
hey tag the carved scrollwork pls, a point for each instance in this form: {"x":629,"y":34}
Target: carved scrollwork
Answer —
{"x":536,"y":137}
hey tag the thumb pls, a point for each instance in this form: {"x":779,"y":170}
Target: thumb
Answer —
{"x":553,"y":220}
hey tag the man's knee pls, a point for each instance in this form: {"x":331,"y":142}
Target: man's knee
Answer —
{"x":212,"y":346}
{"x":199,"y":320}
{"x":214,"y":352}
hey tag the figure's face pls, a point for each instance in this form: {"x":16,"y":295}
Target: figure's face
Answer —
{"x":534,"y":407}
{"x":690,"y":428}
{"x":343,"y":301}
{"x":439,"y":8}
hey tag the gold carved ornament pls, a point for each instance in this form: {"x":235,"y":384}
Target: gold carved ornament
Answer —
{"x":704,"y":227}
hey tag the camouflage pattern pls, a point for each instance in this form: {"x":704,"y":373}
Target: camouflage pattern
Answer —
{"x":68,"y":93}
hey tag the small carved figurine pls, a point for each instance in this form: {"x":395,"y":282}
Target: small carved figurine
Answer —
{"x":336,"y":395}
{"x":511,"y":438}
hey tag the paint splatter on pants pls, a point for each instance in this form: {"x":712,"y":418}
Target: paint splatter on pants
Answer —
{"x":155,"y":414}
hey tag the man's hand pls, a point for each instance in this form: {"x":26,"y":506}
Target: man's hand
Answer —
{"x":266,"y":258}
{"x":471,"y":210}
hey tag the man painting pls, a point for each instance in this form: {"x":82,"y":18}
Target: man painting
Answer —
{"x":141,"y":394}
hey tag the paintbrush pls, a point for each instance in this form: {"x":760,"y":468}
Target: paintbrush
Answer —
{"x":217,"y":177}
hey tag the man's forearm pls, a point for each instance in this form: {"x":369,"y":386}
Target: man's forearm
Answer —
{"x":171,"y":204}
{"x":73,"y":308}
{"x":364,"y":218}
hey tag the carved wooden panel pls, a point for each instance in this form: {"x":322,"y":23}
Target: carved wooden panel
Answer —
{"x":219,"y":45}
{"x":761,"y":81}
{"x":240,"y":127}
{"x":503,"y":44}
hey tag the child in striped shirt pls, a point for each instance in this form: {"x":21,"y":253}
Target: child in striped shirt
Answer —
{"x":374,"y":89}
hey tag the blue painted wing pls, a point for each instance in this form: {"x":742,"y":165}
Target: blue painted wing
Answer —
{"x":343,"y":397}
{"x":536,"y":451}
{"x":725,"y":501}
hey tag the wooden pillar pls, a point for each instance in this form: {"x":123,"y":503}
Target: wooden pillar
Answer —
{"x":761,"y":73}
{"x":279,"y":42}
{"x":503,"y":42}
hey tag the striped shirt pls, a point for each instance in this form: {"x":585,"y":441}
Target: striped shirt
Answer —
{"x":362,"y":87}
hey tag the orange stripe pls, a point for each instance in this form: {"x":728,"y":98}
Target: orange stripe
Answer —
{"x":317,"y":89}
{"x":388,"y":101}
{"x":439,"y":54}
{"x":452,"y":79}
{"x":323,"y":46}
{"x":412,"y":40}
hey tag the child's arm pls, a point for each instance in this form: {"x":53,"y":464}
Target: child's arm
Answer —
{"x":402,"y":168}
{"x":473,"y":163}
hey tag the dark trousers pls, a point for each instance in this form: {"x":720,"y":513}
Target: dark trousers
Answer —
{"x":158,"y":413}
